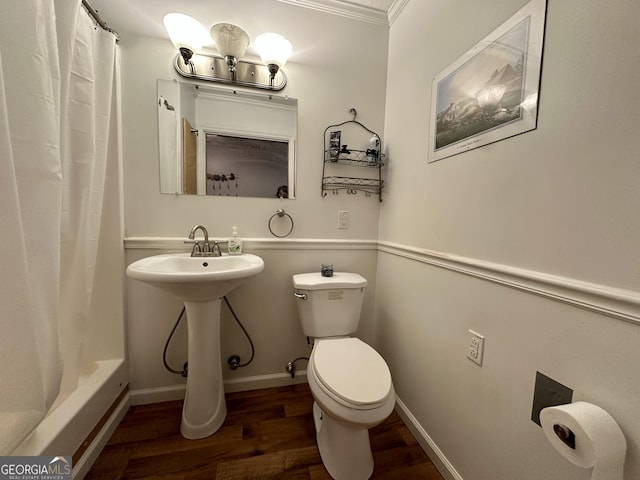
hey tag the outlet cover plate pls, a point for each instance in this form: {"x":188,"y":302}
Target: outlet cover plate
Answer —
{"x":476,"y":347}
{"x":343,"y":219}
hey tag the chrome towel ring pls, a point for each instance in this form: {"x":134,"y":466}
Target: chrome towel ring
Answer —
{"x":280,"y":213}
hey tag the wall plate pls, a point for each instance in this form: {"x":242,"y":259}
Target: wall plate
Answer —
{"x":548,"y":393}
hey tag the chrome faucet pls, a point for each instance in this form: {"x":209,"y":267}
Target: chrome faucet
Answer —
{"x":204,"y":250}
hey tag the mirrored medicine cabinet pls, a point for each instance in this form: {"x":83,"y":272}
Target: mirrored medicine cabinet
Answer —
{"x":224,"y":142}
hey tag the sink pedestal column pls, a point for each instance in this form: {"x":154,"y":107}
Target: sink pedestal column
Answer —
{"x":204,"y":408}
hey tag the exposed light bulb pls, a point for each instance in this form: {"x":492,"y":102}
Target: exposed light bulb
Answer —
{"x":185,"y":32}
{"x":273,"y":48}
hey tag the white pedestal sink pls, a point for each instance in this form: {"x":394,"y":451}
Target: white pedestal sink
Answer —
{"x":200,"y":282}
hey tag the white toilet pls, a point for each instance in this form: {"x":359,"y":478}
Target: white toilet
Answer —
{"x":350,"y":382}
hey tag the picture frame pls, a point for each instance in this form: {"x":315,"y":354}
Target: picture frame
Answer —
{"x":491,"y":92}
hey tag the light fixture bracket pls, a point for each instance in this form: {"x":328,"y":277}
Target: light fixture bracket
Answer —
{"x":214,"y":68}
{"x":186,"y":54}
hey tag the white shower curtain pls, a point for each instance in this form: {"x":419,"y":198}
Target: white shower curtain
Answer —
{"x":56,"y":100}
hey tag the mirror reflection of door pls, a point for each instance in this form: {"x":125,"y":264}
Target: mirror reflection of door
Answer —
{"x":189,"y":155}
{"x":246,"y":167}
{"x":263,"y":125}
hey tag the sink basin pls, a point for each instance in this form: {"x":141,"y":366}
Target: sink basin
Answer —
{"x":200,"y":282}
{"x":196,"y":278}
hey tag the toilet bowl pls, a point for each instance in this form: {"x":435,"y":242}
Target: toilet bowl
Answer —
{"x":349,"y":380}
{"x":352,"y":378}
{"x":352,"y":389}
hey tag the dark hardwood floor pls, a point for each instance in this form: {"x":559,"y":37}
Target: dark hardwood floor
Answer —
{"x":268,"y":434}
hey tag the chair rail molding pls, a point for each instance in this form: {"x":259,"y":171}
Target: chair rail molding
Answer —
{"x":173,"y":243}
{"x":610,"y":301}
{"x":613,"y":302}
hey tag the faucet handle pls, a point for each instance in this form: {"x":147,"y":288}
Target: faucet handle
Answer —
{"x":197,"y":249}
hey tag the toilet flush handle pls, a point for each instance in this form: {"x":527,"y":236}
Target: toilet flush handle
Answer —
{"x":301,"y":296}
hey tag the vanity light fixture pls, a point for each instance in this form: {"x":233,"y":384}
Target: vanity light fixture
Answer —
{"x":231,"y":42}
{"x":274,"y":51}
{"x":187,"y":35}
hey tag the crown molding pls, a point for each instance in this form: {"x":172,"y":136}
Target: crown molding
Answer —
{"x":348,"y":10}
{"x":395,"y":9}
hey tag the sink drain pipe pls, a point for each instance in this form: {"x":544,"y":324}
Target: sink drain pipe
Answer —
{"x":233,"y":361}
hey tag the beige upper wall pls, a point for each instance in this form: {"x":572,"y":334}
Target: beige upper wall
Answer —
{"x":338,"y":63}
{"x":561,"y":199}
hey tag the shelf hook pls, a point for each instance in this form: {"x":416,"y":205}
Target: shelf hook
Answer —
{"x":353,"y":112}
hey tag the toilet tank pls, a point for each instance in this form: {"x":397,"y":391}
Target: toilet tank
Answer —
{"x":329,"y":306}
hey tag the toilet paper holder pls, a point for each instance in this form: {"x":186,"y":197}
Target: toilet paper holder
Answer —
{"x":565,"y":434}
{"x":588,"y":437}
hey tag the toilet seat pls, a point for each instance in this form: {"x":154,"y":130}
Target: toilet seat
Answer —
{"x":351,"y":372}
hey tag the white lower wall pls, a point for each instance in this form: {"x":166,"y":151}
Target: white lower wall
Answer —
{"x":478,"y":418}
{"x":264,"y":304}
{"x":425,"y":303}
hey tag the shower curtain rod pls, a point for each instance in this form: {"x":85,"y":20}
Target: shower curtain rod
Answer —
{"x":96,"y":16}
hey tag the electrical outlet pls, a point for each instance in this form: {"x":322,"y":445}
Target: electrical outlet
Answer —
{"x":343,"y":219}
{"x":476,"y":348}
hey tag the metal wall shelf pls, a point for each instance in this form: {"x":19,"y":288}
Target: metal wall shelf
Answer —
{"x":358,"y":158}
{"x":352,"y":185}
{"x":343,"y":157}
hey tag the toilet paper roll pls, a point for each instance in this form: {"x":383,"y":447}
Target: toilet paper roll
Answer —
{"x":599,"y":442}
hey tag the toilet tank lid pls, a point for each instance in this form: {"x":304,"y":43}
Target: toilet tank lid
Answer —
{"x":315,"y":281}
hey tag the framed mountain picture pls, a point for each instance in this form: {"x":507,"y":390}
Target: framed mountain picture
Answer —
{"x":491,"y":92}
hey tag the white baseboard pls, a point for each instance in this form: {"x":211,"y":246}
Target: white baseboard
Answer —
{"x":82,"y":467}
{"x":426,"y":442}
{"x":145,"y":396}
{"x":264,"y":381}
{"x":176,"y":392}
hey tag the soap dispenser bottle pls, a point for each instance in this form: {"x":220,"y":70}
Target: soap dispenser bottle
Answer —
{"x":235,"y":243}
